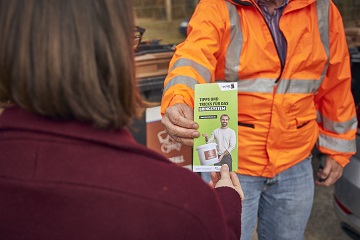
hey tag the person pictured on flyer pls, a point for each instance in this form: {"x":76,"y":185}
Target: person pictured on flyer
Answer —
{"x":225,"y":139}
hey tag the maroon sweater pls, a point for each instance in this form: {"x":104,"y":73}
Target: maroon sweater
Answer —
{"x":67,"y":180}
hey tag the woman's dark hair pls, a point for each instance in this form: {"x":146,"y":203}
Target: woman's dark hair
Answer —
{"x":70,"y":59}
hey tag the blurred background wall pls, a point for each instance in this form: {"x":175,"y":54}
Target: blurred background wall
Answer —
{"x":161,"y":18}
{"x":170,"y":10}
{"x":350,"y":11}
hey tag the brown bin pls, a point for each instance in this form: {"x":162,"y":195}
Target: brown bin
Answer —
{"x":152,"y":64}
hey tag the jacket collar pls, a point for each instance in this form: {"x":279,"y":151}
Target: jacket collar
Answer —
{"x":241,"y":2}
{"x":297,"y":3}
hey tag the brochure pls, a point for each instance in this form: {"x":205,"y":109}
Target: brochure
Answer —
{"x":215,"y":110}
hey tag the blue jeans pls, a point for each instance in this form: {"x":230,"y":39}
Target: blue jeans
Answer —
{"x":280,"y":206}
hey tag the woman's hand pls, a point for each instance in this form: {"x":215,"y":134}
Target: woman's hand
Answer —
{"x":224,"y":178}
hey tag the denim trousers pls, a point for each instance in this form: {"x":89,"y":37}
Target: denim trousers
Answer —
{"x":280,"y":207}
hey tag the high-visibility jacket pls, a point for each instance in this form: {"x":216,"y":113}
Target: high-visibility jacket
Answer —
{"x":283,"y":109}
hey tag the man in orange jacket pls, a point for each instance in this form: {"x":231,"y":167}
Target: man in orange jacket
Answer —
{"x":291,"y":63}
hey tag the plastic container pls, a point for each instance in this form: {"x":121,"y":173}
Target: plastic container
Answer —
{"x":207,"y":154}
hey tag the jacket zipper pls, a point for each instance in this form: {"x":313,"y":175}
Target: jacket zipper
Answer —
{"x":272,"y":36}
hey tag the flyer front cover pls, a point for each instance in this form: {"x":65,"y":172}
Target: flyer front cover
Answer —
{"x":215,"y":110}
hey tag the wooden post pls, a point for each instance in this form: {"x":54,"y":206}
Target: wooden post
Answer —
{"x":168,"y":10}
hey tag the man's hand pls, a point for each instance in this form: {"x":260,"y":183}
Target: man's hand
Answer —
{"x":178,"y":121}
{"x":224,"y":178}
{"x":330,"y":173}
{"x":223,"y":155}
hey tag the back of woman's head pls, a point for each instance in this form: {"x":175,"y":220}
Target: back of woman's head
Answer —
{"x":69,"y":59}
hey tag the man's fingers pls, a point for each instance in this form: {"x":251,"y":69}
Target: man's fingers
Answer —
{"x":179,"y":134}
{"x":321,"y":176}
{"x":181,"y":115}
{"x":236,"y":182}
{"x":214,"y":177}
{"x":181,"y":121}
{"x":187,"y":112}
{"x":179,"y":124}
{"x":333,"y":176}
{"x":330,"y":180}
{"x":325,"y":172}
{"x":330,"y":174}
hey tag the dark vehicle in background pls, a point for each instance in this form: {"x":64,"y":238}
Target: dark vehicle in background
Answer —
{"x":347,"y":189}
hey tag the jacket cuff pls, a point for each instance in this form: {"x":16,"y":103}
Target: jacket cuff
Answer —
{"x":340,"y":159}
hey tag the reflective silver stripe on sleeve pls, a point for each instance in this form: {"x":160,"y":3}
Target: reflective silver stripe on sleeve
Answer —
{"x":203,"y":71}
{"x":322,"y":7}
{"x":335,"y":144}
{"x":187,"y":81}
{"x":232,"y":61}
{"x":266,"y":85}
{"x":336,"y":127}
